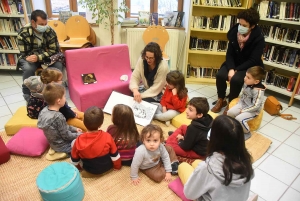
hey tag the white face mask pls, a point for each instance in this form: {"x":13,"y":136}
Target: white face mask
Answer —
{"x":242,"y":29}
{"x":41,"y":28}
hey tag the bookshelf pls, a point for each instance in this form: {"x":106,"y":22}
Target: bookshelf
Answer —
{"x":208,"y":60}
{"x":278,"y":18}
{"x":12,"y":18}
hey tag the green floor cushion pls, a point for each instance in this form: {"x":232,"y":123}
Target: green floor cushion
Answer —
{"x":18,"y":121}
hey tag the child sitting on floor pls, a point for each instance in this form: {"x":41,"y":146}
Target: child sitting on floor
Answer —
{"x":152,"y":157}
{"x":227,"y":171}
{"x":251,"y":102}
{"x":53,"y":123}
{"x":124,"y":133}
{"x":36,"y":101}
{"x":96,"y":149}
{"x":173,"y":102}
{"x":191,"y":141}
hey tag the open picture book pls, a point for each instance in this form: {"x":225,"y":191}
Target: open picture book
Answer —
{"x":143,"y":111}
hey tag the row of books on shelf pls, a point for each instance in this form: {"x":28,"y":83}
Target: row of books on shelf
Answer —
{"x":11,"y":25}
{"x":225,"y":3}
{"x":208,"y":45}
{"x":201,"y":72}
{"x":279,"y":33}
{"x":282,"y":55}
{"x":8,"y":59}
{"x":279,"y":10}
{"x":217,"y":22}
{"x":281,"y":81}
{"x":170,"y":18}
{"x":8,"y":43}
{"x":11,"y":7}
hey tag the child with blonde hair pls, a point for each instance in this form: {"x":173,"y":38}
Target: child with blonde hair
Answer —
{"x":153,"y":158}
{"x":95,"y":148}
{"x":251,"y":101}
{"x":173,"y":101}
{"x":53,"y":123}
{"x":124,"y":133}
{"x":36,"y":101}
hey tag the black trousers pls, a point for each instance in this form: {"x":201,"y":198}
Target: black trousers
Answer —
{"x":236,"y":83}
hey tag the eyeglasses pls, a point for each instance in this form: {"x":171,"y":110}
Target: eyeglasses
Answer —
{"x":149,"y":58}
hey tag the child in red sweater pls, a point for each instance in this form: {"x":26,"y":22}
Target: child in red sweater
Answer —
{"x":95,"y":151}
{"x":173,"y":102}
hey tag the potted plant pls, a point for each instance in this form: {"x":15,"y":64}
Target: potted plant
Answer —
{"x":107,"y":12}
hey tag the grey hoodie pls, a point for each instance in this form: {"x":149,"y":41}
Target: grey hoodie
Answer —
{"x":205,"y":183}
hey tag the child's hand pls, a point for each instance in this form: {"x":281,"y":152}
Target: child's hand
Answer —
{"x":79,"y":130}
{"x":168,"y":177}
{"x":164,"y":109}
{"x":179,"y":137}
{"x":174,"y":91}
{"x":136,"y":181}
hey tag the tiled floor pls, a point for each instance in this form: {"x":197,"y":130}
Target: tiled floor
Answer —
{"x":277,"y":173}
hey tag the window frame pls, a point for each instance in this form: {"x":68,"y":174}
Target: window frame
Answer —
{"x":153,"y":7}
{"x":72,"y":3}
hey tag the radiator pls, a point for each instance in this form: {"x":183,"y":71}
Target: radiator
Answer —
{"x":133,"y":37}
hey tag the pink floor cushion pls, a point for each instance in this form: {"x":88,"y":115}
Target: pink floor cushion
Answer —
{"x":28,"y":142}
{"x":4,"y":152}
{"x":108,"y":63}
{"x":177,"y":187}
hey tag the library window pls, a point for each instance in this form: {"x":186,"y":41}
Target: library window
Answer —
{"x":153,"y":6}
{"x":54,"y":6}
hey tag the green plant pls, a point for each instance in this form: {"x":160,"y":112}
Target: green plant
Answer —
{"x":106,"y":11}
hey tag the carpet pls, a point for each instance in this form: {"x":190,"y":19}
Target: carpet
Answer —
{"x":18,"y":175}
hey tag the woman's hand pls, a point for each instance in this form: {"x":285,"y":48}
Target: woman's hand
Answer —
{"x":137,"y":96}
{"x":179,"y":137}
{"x":230,"y":74}
{"x":168,"y":177}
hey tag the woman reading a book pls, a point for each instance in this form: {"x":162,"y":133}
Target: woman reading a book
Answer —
{"x":149,"y":76}
{"x":245,"y":48}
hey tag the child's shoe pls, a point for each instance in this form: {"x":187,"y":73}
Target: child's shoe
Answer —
{"x":247,"y":135}
{"x":167,"y":123}
{"x":175,"y":168}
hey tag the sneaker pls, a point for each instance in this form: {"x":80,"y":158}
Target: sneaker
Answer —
{"x":170,"y":133}
{"x":175,"y":168}
{"x":247,"y":135}
{"x":167,"y":123}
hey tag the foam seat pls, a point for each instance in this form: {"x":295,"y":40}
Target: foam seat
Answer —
{"x":60,"y":181}
{"x":181,"y":119}
{"x":4,"y":152}
{"x":108,"y":63}
{"x":253,"y":123}
{"x":18,"y":121}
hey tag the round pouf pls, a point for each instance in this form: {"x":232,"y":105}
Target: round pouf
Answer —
{"x":60,"y":181}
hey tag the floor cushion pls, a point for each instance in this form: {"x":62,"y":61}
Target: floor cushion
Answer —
{"x":18,"y":121}
{"x":28,"y":142}
{"x":177,"y":187}
{"x":253,"y":123}
{"x":4,"y":152}
{"x":60,"y":181}
{"x":181,"y":119}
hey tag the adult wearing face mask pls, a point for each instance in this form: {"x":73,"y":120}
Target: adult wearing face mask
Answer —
{"x":37,"y":42}
{"x":245,"y":48}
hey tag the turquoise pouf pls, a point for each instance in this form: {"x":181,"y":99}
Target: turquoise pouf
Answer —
{"x":60,"y":181}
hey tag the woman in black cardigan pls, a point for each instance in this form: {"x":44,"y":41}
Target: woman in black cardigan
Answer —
{"x":245,"y":49}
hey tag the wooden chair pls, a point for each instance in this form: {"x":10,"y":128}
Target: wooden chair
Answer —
{"x":78,"y":31}
{"x":159,"y":35}
{"x":60,"y":29}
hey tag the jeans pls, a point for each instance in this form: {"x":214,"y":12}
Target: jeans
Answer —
{"x":166,"y":116}
{"x":236,"y":83}
{"x":29,"y":69}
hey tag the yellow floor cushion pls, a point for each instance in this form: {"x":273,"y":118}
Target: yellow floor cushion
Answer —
{"x":253,"y":123}
{"x":18,"y":121}
{"x":181,"y":119}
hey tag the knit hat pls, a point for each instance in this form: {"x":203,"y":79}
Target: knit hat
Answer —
{"x":34,"y":84}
